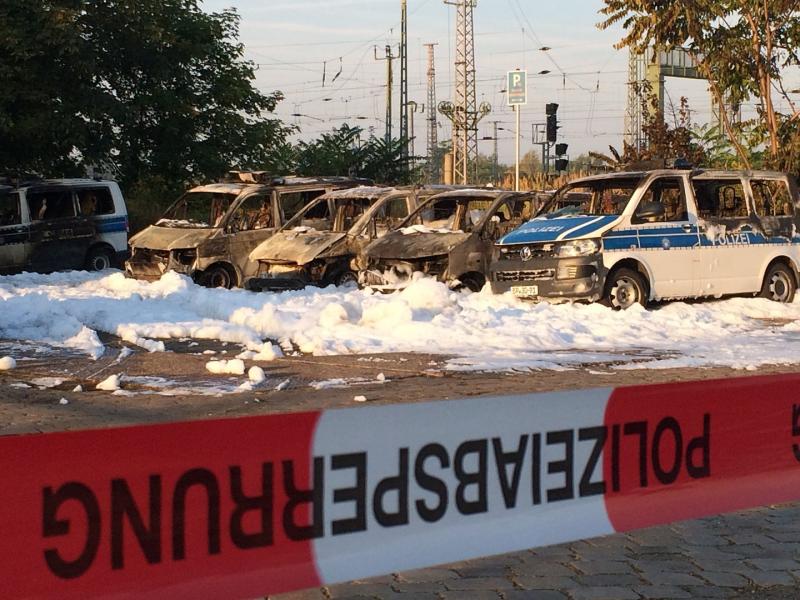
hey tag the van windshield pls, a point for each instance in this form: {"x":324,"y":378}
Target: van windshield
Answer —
{"x":198,"y":210}
{"x":601,"y":197}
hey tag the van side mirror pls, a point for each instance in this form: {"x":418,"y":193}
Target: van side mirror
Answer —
{"x":650,"y":211}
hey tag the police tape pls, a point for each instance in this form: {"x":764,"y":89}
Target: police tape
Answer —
{"x":261,"y":505}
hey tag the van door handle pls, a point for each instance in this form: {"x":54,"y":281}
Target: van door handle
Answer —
{"x":687,"y":228}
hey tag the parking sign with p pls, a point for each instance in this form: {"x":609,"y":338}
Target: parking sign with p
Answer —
{"x":517,"y":88}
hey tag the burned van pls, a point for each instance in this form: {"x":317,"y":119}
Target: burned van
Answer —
{"x":450,"y":237}
{"x":318,"y":245}
{"x":58,"y":224}
{"x":210,"y":231}
{"x":658,"y":235}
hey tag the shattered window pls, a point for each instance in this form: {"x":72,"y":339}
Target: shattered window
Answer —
{"x":390,"y":214}
{"x":771,"y":197}
{"x":255,"y":212}
{"x":291,"y":203}
{"x":198,"y":209}
{"x":348,"y":210}
{"x":9,"y":209}
{"x":49,"y":205}
{"x":96,"y":201}
{"x":720,"y":199}
{"x":668,"y":192}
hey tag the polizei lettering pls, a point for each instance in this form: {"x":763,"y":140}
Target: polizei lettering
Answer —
{"x":261,"y":504}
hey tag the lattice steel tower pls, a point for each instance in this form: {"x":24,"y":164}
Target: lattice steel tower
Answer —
{"x":404,"y":76}
{"x":464,"y":111}
{"x":433,"y":132}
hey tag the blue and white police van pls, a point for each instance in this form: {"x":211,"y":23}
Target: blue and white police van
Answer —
{"x":58,"y":224}
{"x":634,"y":237}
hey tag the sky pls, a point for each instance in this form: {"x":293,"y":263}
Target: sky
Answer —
{"x":295,"y":42}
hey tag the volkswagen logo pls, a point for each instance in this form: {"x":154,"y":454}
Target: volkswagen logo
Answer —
{"x":525,"y":253}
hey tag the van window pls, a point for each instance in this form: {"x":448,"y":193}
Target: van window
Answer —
{"x":772,"y":198}
{"x":291,"y":203}
{"x":254,"y":213}
{"x":720,"y":199}
{"x":606,"y":197}
{"x":9,"y":209}
{"x":97,"y":201}
{"x":390,"y":214}
{"x":49,"y":205}
{"x":667,"y":191}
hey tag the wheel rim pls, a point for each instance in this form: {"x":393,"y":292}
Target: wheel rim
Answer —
{"x":219,"y":278}
{"x":100,"y":262}
{"x":780,"y":288}
{"x":625,"y":293}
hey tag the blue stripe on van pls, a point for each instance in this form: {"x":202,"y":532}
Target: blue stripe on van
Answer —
{"x":112,"y":225}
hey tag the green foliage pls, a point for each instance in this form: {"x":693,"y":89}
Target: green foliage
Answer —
{"x":153,"y":89}
{"x":742,"y":47}
{"x":344,"y":152}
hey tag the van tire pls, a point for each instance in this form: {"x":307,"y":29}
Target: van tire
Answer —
{"x":99,"y":258}
{"x":625,"y":288}
{"x":218,"y":276}
{"x":779,"y":284}
{"x":346,"y":277}
{"x":473,"y":282}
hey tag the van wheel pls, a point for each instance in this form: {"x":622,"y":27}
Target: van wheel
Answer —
{"x":216,"y":277}
{"x":625,"y":288}
{"x":346,"y":278}
{"x":473,"y":283}
{"x":779,"y":284}
{"x":99,"y":259}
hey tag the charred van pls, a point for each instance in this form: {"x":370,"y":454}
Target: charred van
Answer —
{"x":209,"y":232}
{"x":318,"y":244}
{"x":58,"y":224}
{"x":652,"y":235}
{"x":449,"y":237}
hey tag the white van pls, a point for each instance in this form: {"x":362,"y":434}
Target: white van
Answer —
{"x":632,"y":237}
{"x":58,"y":224}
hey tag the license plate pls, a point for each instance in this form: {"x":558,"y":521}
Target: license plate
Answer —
{"x":525,"y":291}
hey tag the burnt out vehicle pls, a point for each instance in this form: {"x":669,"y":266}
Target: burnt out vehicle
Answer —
{"x":58,"y":224}
{"x":449,"y":237}
{"x":317,"y":246}
{"x":658,"y":235}
{"x":210,"y":231}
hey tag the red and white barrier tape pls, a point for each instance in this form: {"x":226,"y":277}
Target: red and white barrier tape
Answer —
{"x":261,"y":505}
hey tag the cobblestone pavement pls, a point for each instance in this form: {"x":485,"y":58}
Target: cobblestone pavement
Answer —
{"x":748,"y":555}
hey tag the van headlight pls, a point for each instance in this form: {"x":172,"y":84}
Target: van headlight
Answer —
{"x":578,"y":248}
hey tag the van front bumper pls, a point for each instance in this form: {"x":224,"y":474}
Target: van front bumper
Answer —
{"x":580,"y":278}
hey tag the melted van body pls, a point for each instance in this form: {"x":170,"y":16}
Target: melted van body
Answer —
{"x":658,"y":235}
{"x":210,"y":231}
{"x":319,"y":244}
{"x":449,"y":237}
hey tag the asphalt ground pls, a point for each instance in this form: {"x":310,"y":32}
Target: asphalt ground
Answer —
{"x":752,"y":554}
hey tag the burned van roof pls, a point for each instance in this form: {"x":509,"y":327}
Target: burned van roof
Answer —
{"x":362,"y":191}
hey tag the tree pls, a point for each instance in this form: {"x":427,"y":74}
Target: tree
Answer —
{"x":158,"y":89}
{"x":740,"y":46}
{"x":342,"y":151}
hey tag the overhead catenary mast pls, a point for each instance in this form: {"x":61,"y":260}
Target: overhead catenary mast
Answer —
{"x":464,"y":111}
{"x":389,"y":83}
{"x":433,"y":134}
{"x":404,"y":77}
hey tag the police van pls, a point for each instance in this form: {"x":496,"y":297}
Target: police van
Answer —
{"x":55,"y":224}
{"x":633,"y":237}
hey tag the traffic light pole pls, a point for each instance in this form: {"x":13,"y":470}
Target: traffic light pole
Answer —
{"x":516,"y":150}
